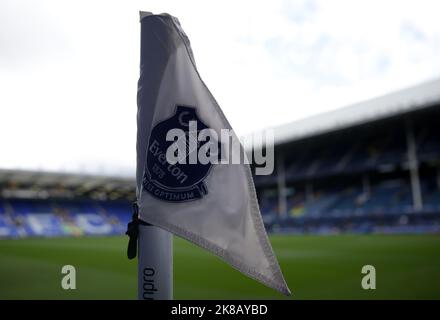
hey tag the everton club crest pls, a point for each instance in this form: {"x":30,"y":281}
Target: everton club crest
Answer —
{"x":164,"y":177}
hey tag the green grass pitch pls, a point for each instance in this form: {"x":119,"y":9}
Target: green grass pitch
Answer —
{"x":315,"y":267}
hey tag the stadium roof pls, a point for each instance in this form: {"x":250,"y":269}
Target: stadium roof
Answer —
{"x":67,"y":179}
{"x":414,"y":98}
{"x":42,"y":184}
{"x":399,"y":102}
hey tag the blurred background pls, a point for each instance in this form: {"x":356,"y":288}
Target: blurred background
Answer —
{"x":350,"y":88}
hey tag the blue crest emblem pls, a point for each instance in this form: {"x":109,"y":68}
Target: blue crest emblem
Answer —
{"x":179,"y":182}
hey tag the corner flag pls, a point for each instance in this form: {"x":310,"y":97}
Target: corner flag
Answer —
{"x":210,"y":203}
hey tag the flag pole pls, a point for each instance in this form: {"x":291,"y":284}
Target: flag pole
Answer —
{"x":154,"y":248}
{"x":170,"y":95}
{"x":155,"y":263}
{"x":151,"y":244}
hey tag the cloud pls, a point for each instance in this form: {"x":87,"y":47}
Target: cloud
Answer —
{"x":28,"y":35}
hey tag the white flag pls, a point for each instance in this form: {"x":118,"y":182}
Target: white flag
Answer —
{"x":211,"y":204}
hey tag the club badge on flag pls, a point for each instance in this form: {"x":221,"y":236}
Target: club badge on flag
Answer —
{"x":212,"y":204}
{"x":177,"y":182}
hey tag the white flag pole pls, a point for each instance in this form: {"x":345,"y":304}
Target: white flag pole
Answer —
{"x":155,"y":264}
{"x":151,"y":244}
{"x":154,"y":248}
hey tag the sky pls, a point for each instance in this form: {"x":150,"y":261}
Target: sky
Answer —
{"x":69,"y":69}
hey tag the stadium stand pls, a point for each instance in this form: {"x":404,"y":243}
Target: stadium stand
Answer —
{"x":62,"y":218}
{"x":370,"y":167}
{"x":43,"y":204}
